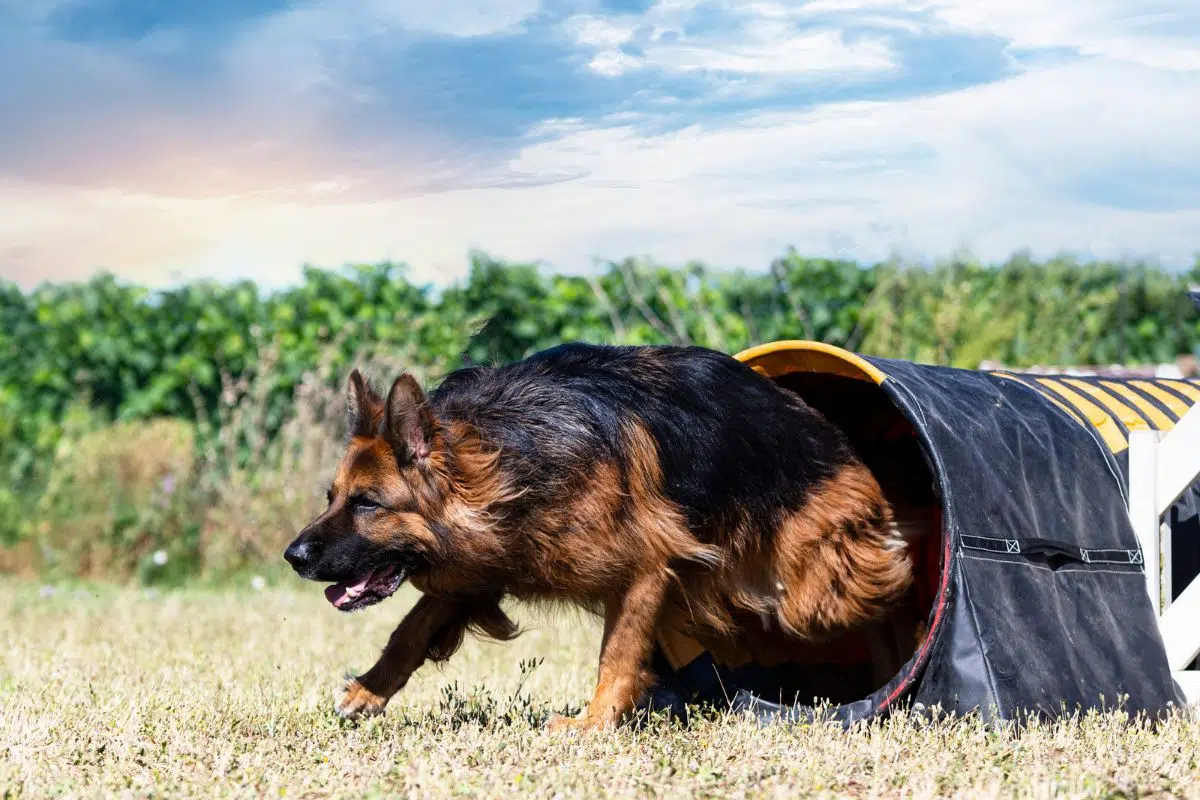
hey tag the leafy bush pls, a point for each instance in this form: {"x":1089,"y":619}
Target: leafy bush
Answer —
{"x":119,"y":503}
{"x":255,"y":377}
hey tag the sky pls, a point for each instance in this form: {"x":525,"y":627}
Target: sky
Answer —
{"x":167,"y":140}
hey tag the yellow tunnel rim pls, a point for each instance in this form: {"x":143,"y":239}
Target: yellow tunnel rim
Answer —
{"x":799,"y":355}
{"x":779,"y":358}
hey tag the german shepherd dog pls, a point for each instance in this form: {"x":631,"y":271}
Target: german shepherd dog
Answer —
{"x":662,"y":488}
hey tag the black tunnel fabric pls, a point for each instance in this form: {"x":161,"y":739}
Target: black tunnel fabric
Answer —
{"x":1042,"y":606}
{"x":1129,"y":403}
{"x":1126,"y":404}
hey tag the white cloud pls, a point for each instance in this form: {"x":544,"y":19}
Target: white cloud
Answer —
{"x":600,"y":32}
{"x":605,"y":36}
{"x":463,"y":18}
{"x":68,"y":234}
{"x":1136,"y":31}
{"x":1125,"y":30}
{"x":612,"y":63}
{"x":770,"y":48}
{"x":280,"y":104}
{"x":330,"y":20}
{"x":762,"y":44}
{"x":996,"y":167}
{"x":990,"y":167}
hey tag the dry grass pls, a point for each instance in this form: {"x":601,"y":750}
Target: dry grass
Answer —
{"x":197,"y":693}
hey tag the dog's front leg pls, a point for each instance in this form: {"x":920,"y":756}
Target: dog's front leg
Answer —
{"x":624,"y":675}
{"x":431,"y":619}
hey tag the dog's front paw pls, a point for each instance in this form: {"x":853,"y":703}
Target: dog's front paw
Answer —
{"x":358,"y":702}
{"x":557,"y":722}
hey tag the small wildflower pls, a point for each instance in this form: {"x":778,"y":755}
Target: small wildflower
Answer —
{"x":47,"y":591}
{"x":258,"y":583}
{"x":168,"y":484}
{"x":160,"y":557}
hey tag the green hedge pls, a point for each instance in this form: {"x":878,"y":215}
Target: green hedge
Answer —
{"x":127,"y":353}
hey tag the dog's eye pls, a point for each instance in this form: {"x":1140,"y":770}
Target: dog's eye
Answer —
{"x":361,"y":503}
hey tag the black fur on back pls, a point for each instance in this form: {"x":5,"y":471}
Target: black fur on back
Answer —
{"x":734,"y":448}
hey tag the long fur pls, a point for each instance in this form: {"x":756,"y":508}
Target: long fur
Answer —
{"x":660,"y":487}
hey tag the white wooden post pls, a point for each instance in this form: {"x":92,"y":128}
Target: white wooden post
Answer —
{"x":1189,"y":682}
{"x":1159,"y":472}
{"x":1164,"y":549}
{"x":1178,"y":459}
{"x":1180,"y":627}
{"x":1143,"y":507}
{"x":1177,"y":468}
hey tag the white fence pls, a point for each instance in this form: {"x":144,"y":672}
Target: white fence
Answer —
{"x":1161,"y":468}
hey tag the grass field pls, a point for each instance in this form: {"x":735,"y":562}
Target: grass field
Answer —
{"x":202,"y":693}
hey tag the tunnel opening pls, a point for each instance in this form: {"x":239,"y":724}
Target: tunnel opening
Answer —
{"x":847,"y":668}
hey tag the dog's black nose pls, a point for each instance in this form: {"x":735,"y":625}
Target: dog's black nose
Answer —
{"x":300,"y":554}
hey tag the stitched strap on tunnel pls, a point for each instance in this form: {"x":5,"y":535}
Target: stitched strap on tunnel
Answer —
{"x":1051,"y":547}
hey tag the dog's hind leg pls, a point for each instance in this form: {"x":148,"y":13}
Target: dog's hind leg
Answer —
{"x":839,"y":563}
{"x":432,"y":631}
{"x":624,"y":673}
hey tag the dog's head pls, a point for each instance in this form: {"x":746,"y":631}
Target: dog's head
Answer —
{"x":396,"y":505}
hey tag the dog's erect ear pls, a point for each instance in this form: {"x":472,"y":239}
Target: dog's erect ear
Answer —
{"x":408,"y":421}
{"x":363,"y":406}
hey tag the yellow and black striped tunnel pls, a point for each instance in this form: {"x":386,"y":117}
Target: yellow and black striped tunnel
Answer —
{"x":1113,"y":406}
{"x":1116,"y":406}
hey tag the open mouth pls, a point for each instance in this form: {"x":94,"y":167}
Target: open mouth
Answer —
{"x":368,"y":590}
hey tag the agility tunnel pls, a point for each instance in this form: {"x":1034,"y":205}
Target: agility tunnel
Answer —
{"x":1011,"y":491}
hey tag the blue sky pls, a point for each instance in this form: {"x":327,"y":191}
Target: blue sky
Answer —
{"x":170,"y":139}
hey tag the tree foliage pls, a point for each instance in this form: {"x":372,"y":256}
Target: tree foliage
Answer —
{"x":126,"y":353}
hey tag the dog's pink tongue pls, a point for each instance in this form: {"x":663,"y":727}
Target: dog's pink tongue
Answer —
{"x":336,"y":594}
{"x":341,"y":593}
